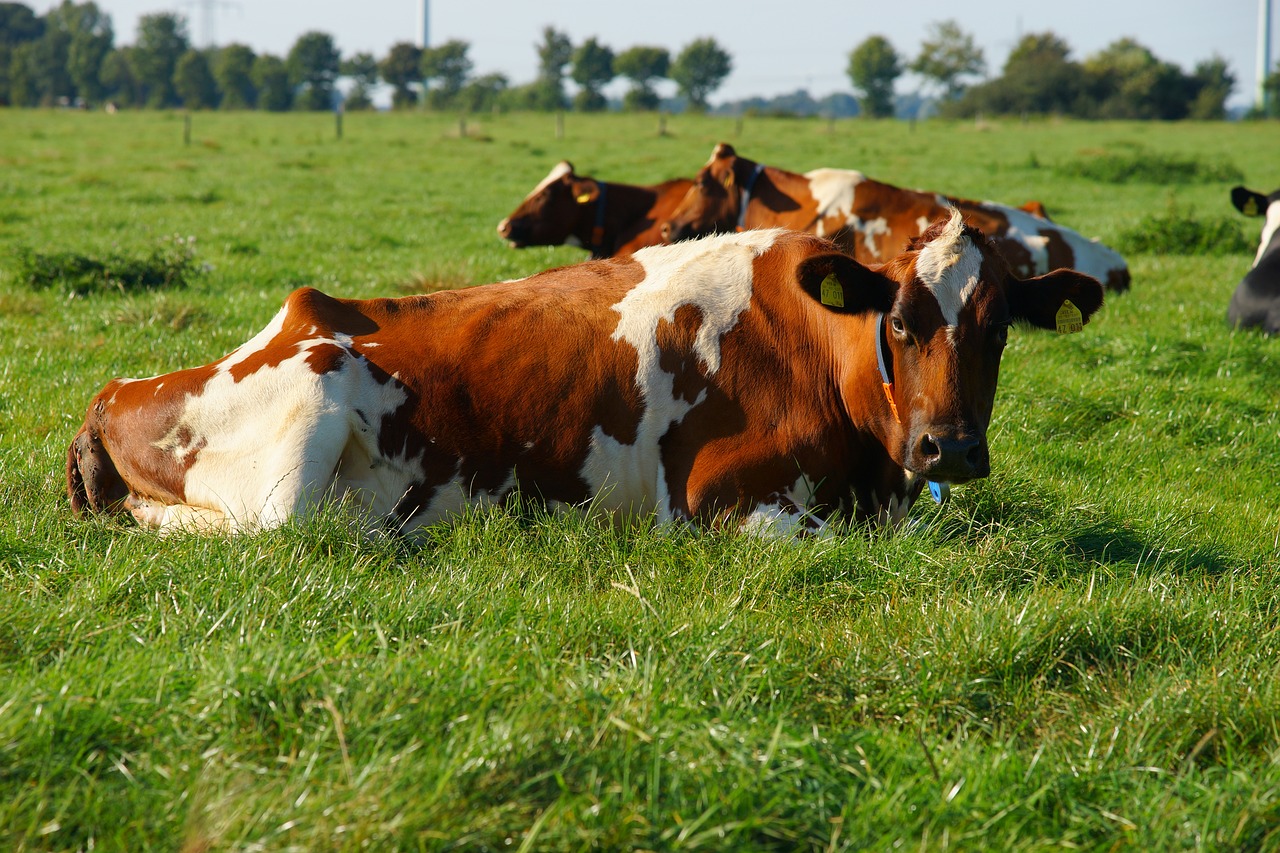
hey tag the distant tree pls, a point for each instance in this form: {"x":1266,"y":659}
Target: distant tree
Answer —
{"x":76,"y":37}
{"x":233,"y":71}
{"x":874,"y":66}
{"x":482,"y":93}
{"x":947,"y":55}
{"x":642,"y":65}
{"x":592,"y":70}
{"x":271,"y":79}
{"x":363,"y":71}
{"x":401,"y":68}
{"x":312,"y":64}
{"x":193,"y":81}
{"x":448,"y":65}
{"x":699,"y":70}
{"x":162,"y":38}
{"x":554,"y":53}
{"x":22,"y":75}
{"x":18,"y":25}
{"x":1215,"y":82}
{"x":1125,"y":80}
{"x":44,"y":64}
{"x":120,"y":78}
{"x":1039,"y":77}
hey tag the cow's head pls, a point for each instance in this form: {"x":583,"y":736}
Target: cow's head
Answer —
{"x":551,"y":214}
{"x":942,"y":340}
{"x":1252,"y":203}
{"x":713,"y":202}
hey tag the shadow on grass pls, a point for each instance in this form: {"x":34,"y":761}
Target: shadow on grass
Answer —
{"x":1105,"y":542}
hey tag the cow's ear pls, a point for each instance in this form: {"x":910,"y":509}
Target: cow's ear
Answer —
{"x":1063,"y":299}
{"x":585,"y":192}
{"x":1248,"y":202}
{"x":841,"y":284}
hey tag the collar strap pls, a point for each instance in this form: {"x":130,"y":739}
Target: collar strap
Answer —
{"x":597,"y":230}
{"x":746,"y":196}
{"x":883,"y":362}
{"x":940,"y":492}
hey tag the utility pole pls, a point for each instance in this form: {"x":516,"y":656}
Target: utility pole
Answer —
{"x":207,"y":9}
{"x":423,"y":35}
{"x":1264,"y":54}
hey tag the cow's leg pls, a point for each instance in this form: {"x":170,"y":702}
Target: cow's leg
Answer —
{"x":169,"y":517}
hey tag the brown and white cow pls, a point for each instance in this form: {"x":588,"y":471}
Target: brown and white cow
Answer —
{"x":762,"y":380}
{"x":607,"y":219}
{"x":875,"y":220}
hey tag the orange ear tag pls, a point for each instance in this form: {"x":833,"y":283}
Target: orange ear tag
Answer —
{"x":888,"y":395}
{"x":1069,"y":318}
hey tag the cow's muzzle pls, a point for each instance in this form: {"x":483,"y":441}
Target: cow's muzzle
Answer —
{"x":950,"y":458}
{"x":515,"y":233}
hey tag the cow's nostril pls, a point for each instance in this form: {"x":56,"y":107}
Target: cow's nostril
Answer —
{"x":929,"y":448}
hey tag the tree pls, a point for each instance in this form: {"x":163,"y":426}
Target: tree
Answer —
{"x":482,"y":93}
{"x":1125,"y":80}
{"x":1038,"y":77}
{"x":363,"y":71}
{"x":312,"y":64}
{"x":1214,"y":81}
{"x":592,"y":70}
{"x":162,"y":38}
{"x":271,"y":79}
{"x":120,"y":79}
{"x":76,"y":38}
{"x":401,"y":68}
{"x":193,"y":81}
{"x":449,"y":65}
{"x":874,"y":66}
{"x":699,"y":70}
{"x":233,"y":71}
{"x":553,"y":55}
{"x":947,"y":55}
{"x":18,"y":25}
{"x":642,"y":65}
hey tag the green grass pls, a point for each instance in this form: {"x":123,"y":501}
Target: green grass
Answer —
{"x":1080,"y":651}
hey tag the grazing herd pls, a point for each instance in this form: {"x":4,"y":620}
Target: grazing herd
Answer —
{"x":826,"y":348}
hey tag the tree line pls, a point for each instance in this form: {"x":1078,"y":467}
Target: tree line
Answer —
{"x":1124,"y":80}
{"x":69,"y":56}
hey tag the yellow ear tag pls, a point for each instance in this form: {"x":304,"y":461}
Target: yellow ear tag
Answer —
{"x":584,"y":198}
{"x":728,"y":180}
{"x":832,"y":292}
{"x":1069,"y":318}
{"x":1250,"y":207}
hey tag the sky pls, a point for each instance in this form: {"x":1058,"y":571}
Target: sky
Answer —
{"x":777,"y":47}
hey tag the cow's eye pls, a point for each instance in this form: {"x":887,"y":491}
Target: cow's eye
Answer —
{"x":899,"y":328}
{"x":1000,"y":334}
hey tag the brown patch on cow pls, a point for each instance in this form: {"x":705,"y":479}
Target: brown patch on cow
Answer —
{"x":677,"y":355}
{"x":326,"y":358}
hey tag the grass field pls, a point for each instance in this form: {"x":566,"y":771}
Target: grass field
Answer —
{"x":1081,"y":651}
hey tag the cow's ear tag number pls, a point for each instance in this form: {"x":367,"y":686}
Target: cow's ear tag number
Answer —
{"x":584,"y":198}
{"x":831,"y":292}
{"x":1069,"y":318}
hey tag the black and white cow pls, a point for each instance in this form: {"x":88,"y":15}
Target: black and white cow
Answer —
{"x":1256,"y":301}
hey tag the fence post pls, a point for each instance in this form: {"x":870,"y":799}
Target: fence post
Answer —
{"x":560,"y":124}
{"x":186,"y":128}
{"x":337,"y":121}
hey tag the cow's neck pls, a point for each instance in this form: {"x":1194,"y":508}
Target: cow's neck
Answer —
{"x":788,"y":203}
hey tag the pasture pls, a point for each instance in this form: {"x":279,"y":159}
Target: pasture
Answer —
{"x":1080,"y":651}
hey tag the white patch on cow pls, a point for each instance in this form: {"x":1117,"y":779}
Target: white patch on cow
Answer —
{"x":1269,"y":230}
{"x":788,"y":517}
{"x":275,"y":442}
{"x":455,"y":496}
{"x":715,"y":276}
{"x":1087,"y":255}
{"x":834,"y":191}
{"x":557,"y":172}
{"x":921,"y":224}
{"x":949,"y":265}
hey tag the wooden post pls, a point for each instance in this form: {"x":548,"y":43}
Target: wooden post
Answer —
{"x":186,"y":128}
{"x":560,"y":124}
{"x":337,"y":122}
{"x":462,"y":127}
{"x":662,"y":123}
{"x":737,"y":127}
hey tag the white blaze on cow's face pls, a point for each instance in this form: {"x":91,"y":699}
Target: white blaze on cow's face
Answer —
{"x":1269,"y":230}
{"x":950,"y":267}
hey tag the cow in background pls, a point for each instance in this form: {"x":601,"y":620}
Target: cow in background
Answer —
{"x":1256,"y":301}
{"x":606,"y":219}
{"x":874,"y":220}
{"x":763,"y":381}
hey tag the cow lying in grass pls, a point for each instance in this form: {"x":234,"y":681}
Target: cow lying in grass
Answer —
{"x":1256,"y":301}
{"x":606,"y":219}
{"x":761,"y":380}
{"x":873,"y":220}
